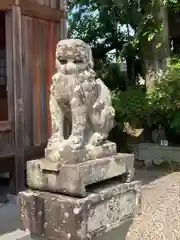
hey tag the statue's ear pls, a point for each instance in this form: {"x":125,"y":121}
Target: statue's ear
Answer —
{"x":57,"y":64}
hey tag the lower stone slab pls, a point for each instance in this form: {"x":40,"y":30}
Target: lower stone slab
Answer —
{"x":60,"y":217}
{"x":119,"y":233}
{"x":73,"y":179}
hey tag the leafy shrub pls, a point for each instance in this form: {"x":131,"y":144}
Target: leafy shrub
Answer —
{"x":130,"y":105}
{"x":164,"y":99}
{"x":160,"y":106}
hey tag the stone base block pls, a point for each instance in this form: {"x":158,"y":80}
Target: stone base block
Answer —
{"x":59,"y":217}
{"x":73,"y":179}
{"x":119,"y":233}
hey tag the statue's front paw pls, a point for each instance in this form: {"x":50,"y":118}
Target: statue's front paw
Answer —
{"x":55,"y":140}
{"x":96,"y":139}
{"x":75,"y":142}
{"x":52,"y":154}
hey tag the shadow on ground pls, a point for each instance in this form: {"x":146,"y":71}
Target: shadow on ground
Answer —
{"x":150,"y":174}
{"x":9,"y":216}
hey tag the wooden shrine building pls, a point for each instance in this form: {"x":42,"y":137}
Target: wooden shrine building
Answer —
{"x":29,"y":31}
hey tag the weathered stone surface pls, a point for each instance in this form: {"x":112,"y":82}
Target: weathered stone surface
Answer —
{"x":105,"y":150}
{"x":70,"y":156}
{"x":119,"y":233}
{"x":153,"y":153}
{"x":73,"y":178}
{"x":78,"y":99}
{"x":60,"y":217}
{"x":79,"y":161}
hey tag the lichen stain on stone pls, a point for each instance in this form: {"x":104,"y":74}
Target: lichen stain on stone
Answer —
{"x":112,"y":169}
{"x":111,"y":213}
{"x":76,"y":210}
{"x":66,"y":214}
{"x":69,"y":236}
{"x":40,"y":213}
{"x":45,"y":225}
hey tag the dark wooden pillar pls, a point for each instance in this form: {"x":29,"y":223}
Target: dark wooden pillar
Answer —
{"x":18,"y":97}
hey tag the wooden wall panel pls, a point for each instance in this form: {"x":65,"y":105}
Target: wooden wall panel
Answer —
{"x":50,"y":3}
{"x":9,"y":64}
{"x":27,"y":40}
{"x":18,"y":96}
{"x":39,"y":40}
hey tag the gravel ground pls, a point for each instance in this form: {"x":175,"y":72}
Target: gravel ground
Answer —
{"x":160,"y":208}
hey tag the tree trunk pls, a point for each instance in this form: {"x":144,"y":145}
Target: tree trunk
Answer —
{"x":156,"y":56}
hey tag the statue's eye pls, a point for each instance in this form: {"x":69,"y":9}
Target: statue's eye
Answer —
{"x":78,"y":61}
{"x":62,"y":61}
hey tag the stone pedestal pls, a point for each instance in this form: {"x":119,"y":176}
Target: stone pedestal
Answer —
{"x":74,"y":179}
{"x":82,"y":189}
{"x":80,"y":200}
{"x":116,"y":234}
{"x":60,"y":217}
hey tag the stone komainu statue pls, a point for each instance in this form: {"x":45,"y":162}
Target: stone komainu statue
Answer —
{"x":79,"y":99}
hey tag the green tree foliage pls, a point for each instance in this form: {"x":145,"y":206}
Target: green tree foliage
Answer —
{"x":131,"y":106}
{"x":105,"y":23}
{"x":95,"y":23}
{"x":125,"y":26}
{"x":164,"y":99}
{"x":161,"y":106}
{"x":174,"y":5}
